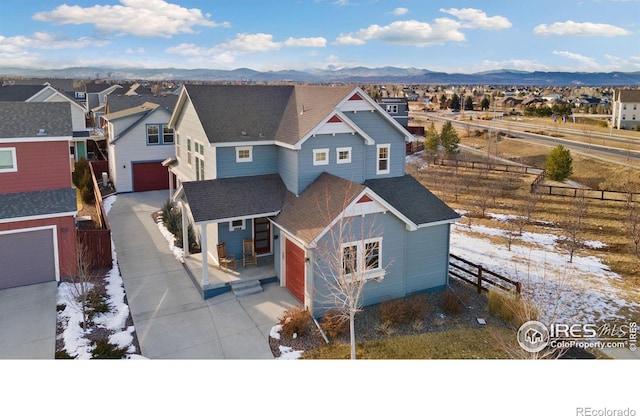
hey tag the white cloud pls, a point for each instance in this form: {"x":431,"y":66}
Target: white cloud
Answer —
{"x":43,"y":40}
{"x":407,"y":32}
{"x":147,"y":18}
{"x":585,"y":62}
{"x":317,"y":42}
{"x":400,"y":11}
{"x":477,"y":19}
{"x":571,"y":28}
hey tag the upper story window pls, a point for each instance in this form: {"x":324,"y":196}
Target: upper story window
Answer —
{"x":8,"y":162}
{"x":244,"y":154}
{"x":320,"y":157}
{"x":382,"y":166}
{"x":177,"y":145}
{"x":159,"y":134}
{"x":392,"y":108}
{"x":199,"y":156}
{"x":189,"y":151}
{"x":343,"y":155}
{"x":624,"y":106}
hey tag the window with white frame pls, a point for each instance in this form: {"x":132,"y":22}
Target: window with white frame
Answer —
{"x":244,"y":154}
{"x":167,"y":134}
{"x":177,"y":145}
{"x":237,"y":225}
{"x":343,"y":155}
{"x":199,"y":157}
{"x":382,"y":166}
{"x":320,"y":157}
{"x":8,"y":162}
{"x":189,"y":151}
{"x":363,"y":258}
{"x":159,"y":134}
{"x":153,"y":134}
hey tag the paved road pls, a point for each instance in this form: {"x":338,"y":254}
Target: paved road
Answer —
{"x":172,"y":320}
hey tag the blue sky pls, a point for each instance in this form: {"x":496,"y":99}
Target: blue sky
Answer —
{"x":450,"y":36}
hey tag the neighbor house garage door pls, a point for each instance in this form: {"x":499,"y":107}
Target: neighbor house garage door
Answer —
{"x":295,"y":270}
{"x":149,"y":176}
{"x":26,"y":258}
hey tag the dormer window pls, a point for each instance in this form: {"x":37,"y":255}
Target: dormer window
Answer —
{"x":244,"y":154}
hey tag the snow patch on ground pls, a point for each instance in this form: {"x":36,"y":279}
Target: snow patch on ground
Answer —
{"x":178,"y":253}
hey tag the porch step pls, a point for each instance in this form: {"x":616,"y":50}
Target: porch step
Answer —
{"x":245,"y":288}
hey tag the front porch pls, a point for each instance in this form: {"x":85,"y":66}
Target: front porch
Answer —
{"x":220,"y":280}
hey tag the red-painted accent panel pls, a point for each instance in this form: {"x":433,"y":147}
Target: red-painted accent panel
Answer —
{"x":41,"y":166}
{"x":355,"y":97}
{"x":365,"y":198}
{"x":334,"y":119}
{"x":295,"y":270}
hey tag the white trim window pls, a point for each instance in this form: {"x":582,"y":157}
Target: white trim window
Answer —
{"x":159,"y":134}
{"x":363,"y":258}
{"x":189,"y":150}
{"x":343,"y":155}
{"x":236,"y":225}
{"x":320,"y":157}
{"x":199,"y":156}
{"x":244,"y":154}
{"x":177,"y":145}
{"x":8,"y":161}
{"x":383,"y":161}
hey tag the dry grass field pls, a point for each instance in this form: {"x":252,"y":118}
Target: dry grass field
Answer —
{"x":478,"y":191}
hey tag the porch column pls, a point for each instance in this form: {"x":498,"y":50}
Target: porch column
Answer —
{"x":170,"y":184}
{"x":205,"y":255}
{"x":185,"y":231}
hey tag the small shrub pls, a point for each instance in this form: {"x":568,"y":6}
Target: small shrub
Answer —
{"x":62,"y":355}
{"x":295,"y":321}
{"x":81,"y":178}
{"x":510,"y":309}
{"x":404,"y":310}
{"x":106,"y":350}
{"x":450,"y":303}
{"x":385,"y":328}
{"x":334,"y":323}
{"x":417,"y":325}
{"x":97,"y":303}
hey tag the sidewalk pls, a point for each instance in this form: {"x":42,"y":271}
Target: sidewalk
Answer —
{"x":171,"y":319}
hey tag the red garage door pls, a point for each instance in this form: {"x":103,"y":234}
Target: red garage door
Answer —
{"x":26,"y":257}
{"x":149,"y":176}
{"x":295,"y":270}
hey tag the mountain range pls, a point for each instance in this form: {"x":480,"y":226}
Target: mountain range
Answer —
{"x":387,"y":74}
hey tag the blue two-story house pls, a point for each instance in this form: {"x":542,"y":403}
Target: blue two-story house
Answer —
{"x":315,"y":175}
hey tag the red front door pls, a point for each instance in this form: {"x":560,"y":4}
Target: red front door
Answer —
{"x":294,"y":256}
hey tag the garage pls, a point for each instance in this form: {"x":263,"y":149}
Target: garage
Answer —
{"x":27,"y":257}
{"x":149,"y":176}
{"x":295,"y":270}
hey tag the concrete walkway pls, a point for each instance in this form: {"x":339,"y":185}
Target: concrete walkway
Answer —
{"x":171,"y":319}
{"x":28,"y":322}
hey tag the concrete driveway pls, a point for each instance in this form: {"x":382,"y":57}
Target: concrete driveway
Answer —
{"x":28,"y":322}
{"x":170,"y":317}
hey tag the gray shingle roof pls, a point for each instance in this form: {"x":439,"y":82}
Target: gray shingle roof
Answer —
{"x":233,"y":113}
{"x":122,"y":102}
{"x":628,"y":96}
{"x":19,"y":119}
{"x":412,"y":199}
{"x":218,"y":199}
{"x":19,"y":92}
{"x":28,"y":204}
{"x":308,"y":214}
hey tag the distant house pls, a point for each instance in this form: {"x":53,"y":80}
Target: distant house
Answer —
{"x":138,"y":140}
{"x":285,"y":167}
{"x":398,"y":108}
{"x":626,"y":109}
{"x":37,"y":200}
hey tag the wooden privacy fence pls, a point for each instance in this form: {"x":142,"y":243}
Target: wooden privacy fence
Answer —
{"x":414,"y":147}
{"x":479,"y":276}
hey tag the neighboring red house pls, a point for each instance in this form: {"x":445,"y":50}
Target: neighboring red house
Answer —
{"x":37,"y":200}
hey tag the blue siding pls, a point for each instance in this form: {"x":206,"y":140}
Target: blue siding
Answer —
{"x":353,"y":171}
{"x":393,"y":286}
{"x":288,"y":168}
{"x":265,"y":161}
{"x":427,"y":258}
{"x":233,"y":239}
{"x":383,"y":132}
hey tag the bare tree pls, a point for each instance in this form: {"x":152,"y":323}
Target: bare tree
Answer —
{"x":82,"y":282}
{"x":574,"y":225}
{"x":347,"y":259}
{"x":633,"y":226}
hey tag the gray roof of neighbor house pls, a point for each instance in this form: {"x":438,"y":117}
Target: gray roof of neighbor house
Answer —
{"x":307,"y":215}
{"x":628,"y":96}
{"x":215,"y":200}
{"x":412,"y":199}
{"x":20,"y":119}
{"x":28,"y":204}
{"x":118,"y":102}
{"x":19,"y":92}
{"x":238,"y":113}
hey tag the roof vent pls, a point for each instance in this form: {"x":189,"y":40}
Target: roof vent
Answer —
{"x":243,"y":133}
{"x":42,"y":132}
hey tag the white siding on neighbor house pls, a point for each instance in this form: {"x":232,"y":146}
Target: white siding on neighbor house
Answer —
{"x":133,"y":147}
{"x":188,"y":126}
